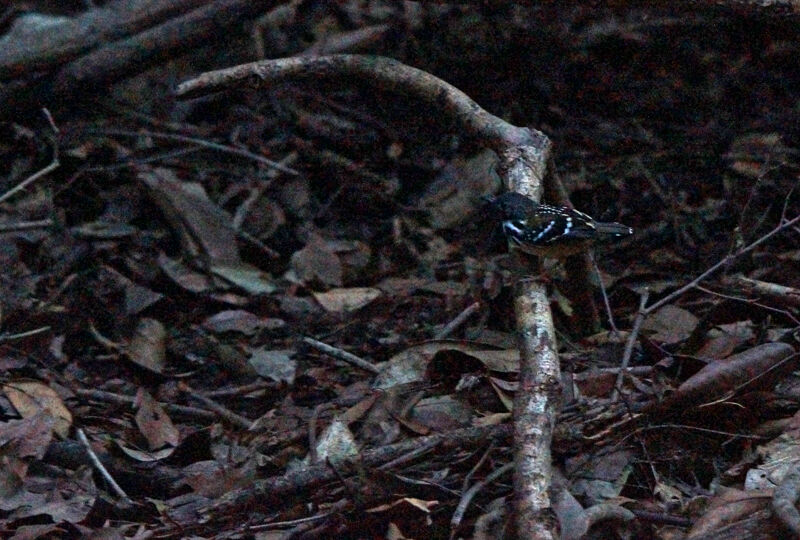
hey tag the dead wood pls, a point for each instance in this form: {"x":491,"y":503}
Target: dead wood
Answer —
{"x":115,"y":52}
{"x":30,"y":49}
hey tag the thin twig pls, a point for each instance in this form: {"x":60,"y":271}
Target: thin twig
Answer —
{"x":751,"y":302}
{"x":463,"y":504}
{"x":335,"y":509}
{"x":26,"y":225}
{"x":50,"y":120}
{"x":683,"y":428}
{"x":21,"y":335}
{"x":118,"y":399}
{"x":476,"y":467}
{"x":724,"y":262}
{"x":268,"y":251}
{"x":458,"y":321}
{"x":645,"y":311}
{"x":200,"y":142}
{"x":238,"y":390}
{"x":341,"y":354}
{"x":407,"y":457}
{"x":626,"y":355}
{"x":605,"y":295}
{"x":100,"y":467}
{"x":223,"y":412}
{"x":664,"y":519}
{"x":31,"y":179}
{"x":786,"y":203}
{"x":388,"y":75}
{"x":788,"y":295}
{"x":313,"y":458}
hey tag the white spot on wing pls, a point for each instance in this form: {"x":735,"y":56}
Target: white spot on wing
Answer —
{"x":512,"y":226}
{"x":544,"y":232}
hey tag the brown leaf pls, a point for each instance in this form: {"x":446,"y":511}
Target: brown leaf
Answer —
{"x":336,"y":443}
{"x":445,"y":288}
{"x":143,"y":455}
{"x":317,"y":262}
{"x":274,"y":364}
{"x":239,"y":320}
{"x":183,"y":276}
{"x":213,"y":479}
{"x":353,"y":255}
{"x":730,"y":506}
{"x":346,"y":300}
{"x":670,"y":324}
{"x":725,"y":339}
{"x":755,"y":368}
{"x":245,"y":276}
{"x":411,"y":364}
{"x":203,"y":228}
{"x":395,"y":286}
{"x":148,"y":347}
{"x":28,"y":437}
{"x":137,"y":298}
{"x":603,"y":477}
{"x":154,"y":423}
{"x":31,"y":398}
{"x":438,"y":413}
{"x":419,"y":504}
{"x":68,"y":499}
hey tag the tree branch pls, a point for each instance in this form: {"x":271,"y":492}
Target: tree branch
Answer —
{"x":523,"y":154}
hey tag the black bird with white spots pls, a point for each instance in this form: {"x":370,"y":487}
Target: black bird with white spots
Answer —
{"x":550,"y":231}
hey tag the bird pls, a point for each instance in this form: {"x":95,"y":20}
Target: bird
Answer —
{"x":550,"y":231}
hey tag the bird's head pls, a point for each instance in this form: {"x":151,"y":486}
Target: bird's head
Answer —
{"x":510,"y":206}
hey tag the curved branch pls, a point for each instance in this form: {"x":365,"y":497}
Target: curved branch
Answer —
{"x":523,"y":154}
{"x":387,"y":75}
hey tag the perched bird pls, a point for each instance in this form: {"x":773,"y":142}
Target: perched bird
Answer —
{"x":550,"y":231}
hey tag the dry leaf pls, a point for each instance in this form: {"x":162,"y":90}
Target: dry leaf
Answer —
{"x":670,"y":324}
{"x":317,"y":262}
{"x":183,"y":276}
{"x":246,"y":277}
{"x":275,"y":365}
{"x":346,"y":300}
{"x":411,"y":364}
{"x":148,"y":347}
{"x":28,"y":437}
{"x":203,"y":228}
{"x":154,"y":423}
{"x":32,"y":397}
{"x":752,"y":369}
{"x":239,"y":320}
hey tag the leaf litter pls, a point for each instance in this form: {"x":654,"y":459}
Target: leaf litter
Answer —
{"x":163,"y":309}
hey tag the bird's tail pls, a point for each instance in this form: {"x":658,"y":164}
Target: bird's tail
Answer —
{"x":613,"y":229}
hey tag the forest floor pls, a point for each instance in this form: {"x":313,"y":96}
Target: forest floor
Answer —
{"x":183,"y":282}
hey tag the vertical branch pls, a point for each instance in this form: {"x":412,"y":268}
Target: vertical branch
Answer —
{"x":535,"y":407}
{"x":536,"y":400}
